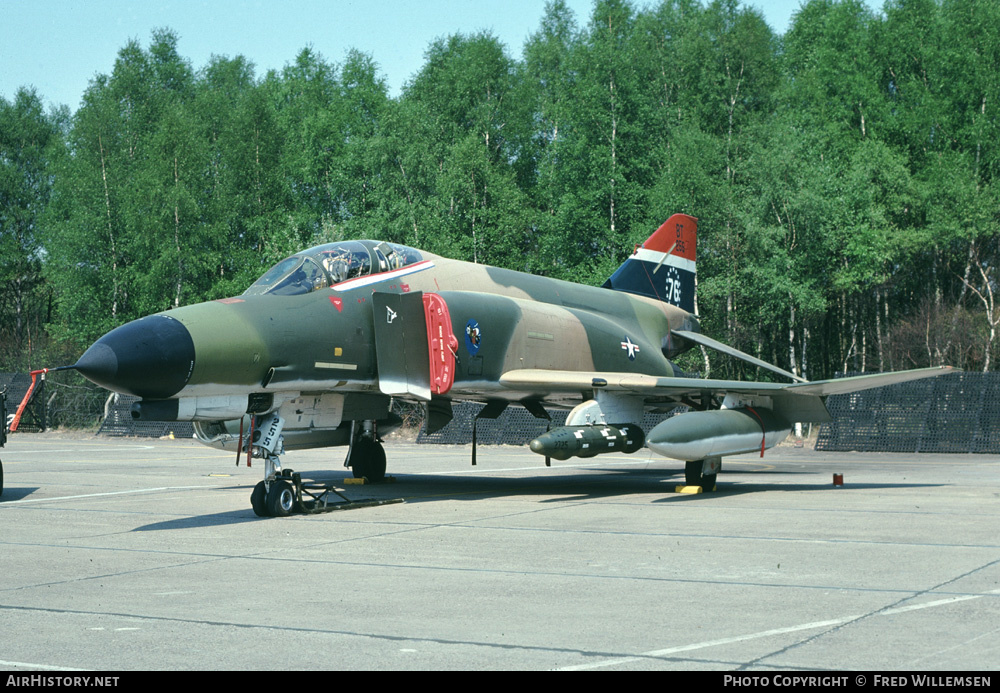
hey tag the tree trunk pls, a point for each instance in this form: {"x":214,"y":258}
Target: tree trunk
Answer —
{"x":111,"y":234}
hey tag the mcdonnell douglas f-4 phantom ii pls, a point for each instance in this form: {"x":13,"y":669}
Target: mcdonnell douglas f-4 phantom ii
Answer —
{"x":315,"y":350}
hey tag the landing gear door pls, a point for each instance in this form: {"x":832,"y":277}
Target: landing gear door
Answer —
{"x":401,"y":349}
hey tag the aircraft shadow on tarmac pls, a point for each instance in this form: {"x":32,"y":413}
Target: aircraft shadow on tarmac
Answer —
{"x":15,"y":494}
{"x":592,"y":485}
{"x":227,"y":517}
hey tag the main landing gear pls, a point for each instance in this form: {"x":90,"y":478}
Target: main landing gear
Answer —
{"x":366,"y":456}
{"x":702,"y":473}
{"x":282,"y":492}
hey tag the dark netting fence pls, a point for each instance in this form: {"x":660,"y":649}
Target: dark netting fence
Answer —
{"x":118,"y":422}
{"x":53,"y":404}
{"x":15,"y":386}
{"x":954,"y":413}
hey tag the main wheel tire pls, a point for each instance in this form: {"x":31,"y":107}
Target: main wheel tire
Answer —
{"x":692,"y":473}
{"x":708,"y":482}
{"x":258,"y":500}
{"x":693,"y":476}
{"x":280,"y":499}
{"x":368,"y":461}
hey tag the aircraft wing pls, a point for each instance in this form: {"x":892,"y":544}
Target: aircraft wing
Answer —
{"x":866,"y":382}
{"x":803,"y":401}
{"x":573,"y":381}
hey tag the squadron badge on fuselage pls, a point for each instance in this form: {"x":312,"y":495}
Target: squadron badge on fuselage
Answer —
{"x":473,"y":337}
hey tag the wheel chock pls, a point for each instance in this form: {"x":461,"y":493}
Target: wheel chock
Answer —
{"x":688,"y":489}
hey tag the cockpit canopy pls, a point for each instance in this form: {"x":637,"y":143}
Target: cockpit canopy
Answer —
{"x":326,"y":265}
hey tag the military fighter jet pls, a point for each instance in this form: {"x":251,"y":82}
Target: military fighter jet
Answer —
{"x":312,"y":354}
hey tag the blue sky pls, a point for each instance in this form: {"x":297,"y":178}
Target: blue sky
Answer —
{"x":58,"y":46}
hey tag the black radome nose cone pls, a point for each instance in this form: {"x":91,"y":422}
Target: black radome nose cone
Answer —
{"x":151,"y":358}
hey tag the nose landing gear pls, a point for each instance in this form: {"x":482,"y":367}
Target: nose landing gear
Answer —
{"x":282,"y":492}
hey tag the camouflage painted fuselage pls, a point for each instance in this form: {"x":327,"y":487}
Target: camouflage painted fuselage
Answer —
{"x":256,"y":353}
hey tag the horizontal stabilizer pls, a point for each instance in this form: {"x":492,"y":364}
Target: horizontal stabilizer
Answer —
{"x":701,"y":339}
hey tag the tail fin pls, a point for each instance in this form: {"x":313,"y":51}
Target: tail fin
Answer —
{"x":664,"y":266}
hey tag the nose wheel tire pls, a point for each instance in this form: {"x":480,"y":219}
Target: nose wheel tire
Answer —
{"x":280,"y":500}
{"x":258,"y":500}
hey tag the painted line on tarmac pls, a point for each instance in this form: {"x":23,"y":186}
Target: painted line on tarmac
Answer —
{"x":927,"y":605}
{"x":107,"y":493}
{"x":20,"y":451}
{"x":47,"y":667}
{"x":764,"y":634}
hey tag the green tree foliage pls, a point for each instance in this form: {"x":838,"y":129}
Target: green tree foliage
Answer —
{"x":473,"y":102}
{"x":27,"y":139}
{"x":844,"y":174}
